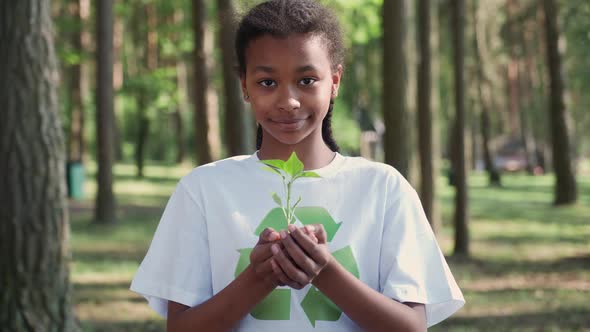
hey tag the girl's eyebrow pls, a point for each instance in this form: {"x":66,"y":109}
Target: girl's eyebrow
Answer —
{"x":306,"y":68}
{"x":267,"y":69}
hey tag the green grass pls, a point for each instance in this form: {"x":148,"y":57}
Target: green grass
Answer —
{"x":529,"y":268}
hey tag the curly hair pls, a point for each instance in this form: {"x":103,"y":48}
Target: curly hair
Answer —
{"x":281,"y":18}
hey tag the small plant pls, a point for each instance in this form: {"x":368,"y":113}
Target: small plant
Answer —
{"x":289,"y":171}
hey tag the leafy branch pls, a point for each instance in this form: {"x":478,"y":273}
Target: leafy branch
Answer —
{"x":289,"y":171}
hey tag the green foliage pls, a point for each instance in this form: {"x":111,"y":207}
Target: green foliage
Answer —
{"x":289,"y":171}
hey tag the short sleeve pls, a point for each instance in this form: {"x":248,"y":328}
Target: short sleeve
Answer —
{"x":177,"y":265}
{"x":412,"y":266}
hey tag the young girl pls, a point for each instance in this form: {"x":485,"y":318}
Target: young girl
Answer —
{"x":361,"y":255}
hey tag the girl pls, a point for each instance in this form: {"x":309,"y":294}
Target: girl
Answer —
{"x":361,"y":256}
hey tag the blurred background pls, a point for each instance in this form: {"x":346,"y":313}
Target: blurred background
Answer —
{"x":481,"y":104}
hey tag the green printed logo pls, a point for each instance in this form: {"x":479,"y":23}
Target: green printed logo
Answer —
{"x":316,"y":305}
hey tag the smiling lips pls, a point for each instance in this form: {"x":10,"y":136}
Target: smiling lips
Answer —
{"x":289,"y":124}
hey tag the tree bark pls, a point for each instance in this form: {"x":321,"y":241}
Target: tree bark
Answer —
{"x":424,"y":114}
{"x":78,"y":84}
{"x":460,"y":217}
{"x":238,"y":124}
{"x":565,"y":184}
{"x":105,"y":199}
{"x":493,"y":174}
{"x":34,"y":229}
{"x":395,"y":114}
{"x":201,"y":124}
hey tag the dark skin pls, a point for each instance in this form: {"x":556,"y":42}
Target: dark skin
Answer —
{"x":292,"y":80}
{"x":297,"y":258}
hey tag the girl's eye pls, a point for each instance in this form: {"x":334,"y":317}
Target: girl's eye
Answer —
{"x":307,"y":81}
{"x":267,"y":83}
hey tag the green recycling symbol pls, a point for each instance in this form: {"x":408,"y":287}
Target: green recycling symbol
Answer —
{"x":317,"y":306}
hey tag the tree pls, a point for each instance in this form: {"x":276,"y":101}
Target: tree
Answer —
{"x":105,"y":199}
{"x":565,"y":184}
{"x":238,"y":133}
{"x":481,"y":82}
{"x":79,"y":9}
{"x":36,"y":292}
{"x":201,"y":82}
{"x":458,"y":160}
{"x":396,"y":138}
{"x":424,"y":116}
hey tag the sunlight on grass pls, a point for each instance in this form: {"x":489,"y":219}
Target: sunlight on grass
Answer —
{"x":528,"y":269}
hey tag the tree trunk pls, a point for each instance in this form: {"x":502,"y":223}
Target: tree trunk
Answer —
{"x":394,"y":86}
{"x":565,"y":185}
{"x":181,"y":82}
{"x":460,"y":217}
{"x":424,"y":114}
{"x":105,"y":119}
{"x":34,"y":228}
{"x":201,"y":124}
{"x":78,"y":86}
{"x":493,"y":174}
{"x":238,"y":124}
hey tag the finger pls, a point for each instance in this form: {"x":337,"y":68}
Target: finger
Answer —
{"x":268,"y":235}
{"x":299,"y":255}
{"x":290,"y":270}
{"x":260,"y":253}
{"x":264,"y":268}
{"x":308,"y":230}
{"x":307,"y":244}
{"x":281,"y":277}
{"x":320,"y":233}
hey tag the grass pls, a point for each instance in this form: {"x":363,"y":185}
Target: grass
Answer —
{"x":529,"y":268}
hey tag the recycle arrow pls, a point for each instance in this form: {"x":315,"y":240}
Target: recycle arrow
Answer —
{"x":317,"y":306}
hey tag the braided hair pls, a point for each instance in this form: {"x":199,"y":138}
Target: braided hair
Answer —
{"x":281,"y":18}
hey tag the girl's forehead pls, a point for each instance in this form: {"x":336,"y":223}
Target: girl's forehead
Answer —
{"x":292,"y":50}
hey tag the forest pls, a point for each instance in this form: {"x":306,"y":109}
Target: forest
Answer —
{"x":480,"y":104}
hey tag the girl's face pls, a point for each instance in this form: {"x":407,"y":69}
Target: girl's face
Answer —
{"x":290,"y":82}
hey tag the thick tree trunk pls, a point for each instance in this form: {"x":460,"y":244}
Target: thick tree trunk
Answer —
{"x":460,"y":217}
{"x":238,"y":124}
{"x":565,"y":185}
{"x":424,"y":114}
{"x":34,"y":229}
{"x":394,"y":86}
{"x":105,"y":119}
{"x":201,"y":124}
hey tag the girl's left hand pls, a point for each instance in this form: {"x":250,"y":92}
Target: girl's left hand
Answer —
{"x":308,"y":254}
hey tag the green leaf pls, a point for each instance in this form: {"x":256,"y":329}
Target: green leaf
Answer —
{"x":273,"y":170}
{"x":310,"y":175}
{"x":276,"y":163}
{"x":277,"y":199}
{"x":293,"y":165}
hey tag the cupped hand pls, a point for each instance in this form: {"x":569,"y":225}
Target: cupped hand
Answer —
{"x":304,"y":256}
{"x":262,"y":256}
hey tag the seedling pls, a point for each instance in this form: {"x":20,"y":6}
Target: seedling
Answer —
{"x":289,"y":171}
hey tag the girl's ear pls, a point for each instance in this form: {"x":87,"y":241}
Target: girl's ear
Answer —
{"x":244,"y":90}
{"x":336,"y":75}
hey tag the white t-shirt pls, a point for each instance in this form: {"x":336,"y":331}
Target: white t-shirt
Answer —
{"x":376,"y":229}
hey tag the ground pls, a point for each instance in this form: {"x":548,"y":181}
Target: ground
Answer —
{"x":529,"y":268}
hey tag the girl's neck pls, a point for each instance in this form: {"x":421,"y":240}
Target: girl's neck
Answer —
{"x":312,"y":157}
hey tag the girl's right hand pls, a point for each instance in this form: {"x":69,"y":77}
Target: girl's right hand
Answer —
{"x":261,"y":259}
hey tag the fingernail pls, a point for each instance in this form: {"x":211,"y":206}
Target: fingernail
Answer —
{"x":310,"y":228}
{"x":275,"y":249}
{"x":283,"y":234}
{"x":291,"y":228}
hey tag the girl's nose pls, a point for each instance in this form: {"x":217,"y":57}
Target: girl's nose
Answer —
{"x":288,"y":99}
